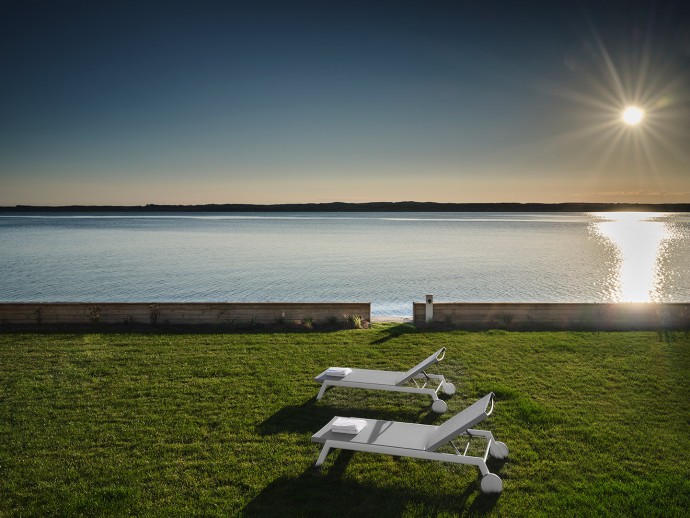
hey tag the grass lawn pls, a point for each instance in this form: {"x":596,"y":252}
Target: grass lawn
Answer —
{"x":220,"y":424}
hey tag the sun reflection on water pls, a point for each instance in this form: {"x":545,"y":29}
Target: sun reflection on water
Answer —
{"x":639,"y":240}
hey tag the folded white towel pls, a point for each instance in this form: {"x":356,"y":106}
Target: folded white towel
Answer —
{"x":338,"y":371}
{"x":348,"y":425}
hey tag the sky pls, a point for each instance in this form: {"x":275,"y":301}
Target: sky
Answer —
{"x":135,"y":102}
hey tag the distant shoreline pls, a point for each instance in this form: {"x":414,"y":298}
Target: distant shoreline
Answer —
{"x":403,"y":206}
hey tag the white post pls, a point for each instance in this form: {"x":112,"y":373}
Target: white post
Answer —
{"x":429,"y":308}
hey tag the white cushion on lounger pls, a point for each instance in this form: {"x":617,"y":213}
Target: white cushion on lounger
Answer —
{"x":338,"y":371}
{"x":348,"y":425}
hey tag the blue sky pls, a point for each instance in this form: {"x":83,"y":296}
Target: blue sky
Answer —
{"x":220,"y":102}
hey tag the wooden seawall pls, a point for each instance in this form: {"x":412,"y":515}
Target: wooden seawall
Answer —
{"x":459,"y":315}
{"x":162,"y":314}
{"x":556,"y":316}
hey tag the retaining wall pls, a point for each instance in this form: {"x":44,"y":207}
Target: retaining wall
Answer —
{"x":222,"y":314}
{"x":462,"y":315}
{"x":556,"y":316}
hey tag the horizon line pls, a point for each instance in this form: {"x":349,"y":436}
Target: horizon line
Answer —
{"x":374,"y":206}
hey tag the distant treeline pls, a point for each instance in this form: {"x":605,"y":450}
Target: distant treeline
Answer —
{"x":378,"y":206}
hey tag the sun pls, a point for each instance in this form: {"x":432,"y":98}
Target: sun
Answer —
{"x":633,"y":115}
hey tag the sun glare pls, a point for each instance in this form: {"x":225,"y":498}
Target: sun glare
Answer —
{"x":638,"y":239}
{"x":633,"y":115}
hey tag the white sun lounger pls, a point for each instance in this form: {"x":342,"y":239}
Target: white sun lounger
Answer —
{"x":395,"y":381}
{"x":421,"y":441}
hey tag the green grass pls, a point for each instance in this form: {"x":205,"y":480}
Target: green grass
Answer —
{"x":219,"y":424}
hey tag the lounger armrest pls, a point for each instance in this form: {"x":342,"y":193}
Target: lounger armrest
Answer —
{"x":491,"y":410}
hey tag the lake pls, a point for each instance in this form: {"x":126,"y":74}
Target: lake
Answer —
{"x":388,"y":259}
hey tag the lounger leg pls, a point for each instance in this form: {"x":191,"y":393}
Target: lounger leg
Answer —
{"x":322,"y":391}
{"x":483,"y":469}
{"x":322,"y":455}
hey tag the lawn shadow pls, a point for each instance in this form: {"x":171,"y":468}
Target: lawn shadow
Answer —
{"x":305,"y":418}
{"x":329,"y":493}
{"x":311,"y":415}
{"x":394,"y":332}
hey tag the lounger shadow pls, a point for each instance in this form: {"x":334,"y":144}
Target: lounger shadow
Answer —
{"x":395,"y":381}
{"x":421,"y":441}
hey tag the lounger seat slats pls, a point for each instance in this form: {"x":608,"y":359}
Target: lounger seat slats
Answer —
{"x":411,"y":435}
{"x":372,"y":377}
{"x":381,"y":433}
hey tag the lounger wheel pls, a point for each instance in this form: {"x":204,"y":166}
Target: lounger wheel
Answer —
{"x":439,"y":406}
{"x":499,"y":450}
{"x":491,"y":483}
{"x":448,"y":388}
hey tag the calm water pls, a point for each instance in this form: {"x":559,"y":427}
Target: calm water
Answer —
{"x":388,"y":259}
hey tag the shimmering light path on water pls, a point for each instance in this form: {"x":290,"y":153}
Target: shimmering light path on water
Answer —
{"x":389,"y":259}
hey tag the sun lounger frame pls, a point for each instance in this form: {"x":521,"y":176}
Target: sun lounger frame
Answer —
{"x":490,"y":482}
{"x":418,"y":372}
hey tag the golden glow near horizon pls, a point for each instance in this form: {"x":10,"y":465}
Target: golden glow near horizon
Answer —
{"x":638,"y":239}
{"x":633,"y":115}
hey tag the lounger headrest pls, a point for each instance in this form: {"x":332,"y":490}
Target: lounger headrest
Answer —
{"x":431,"y":360}
{"x":460,"y":423}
